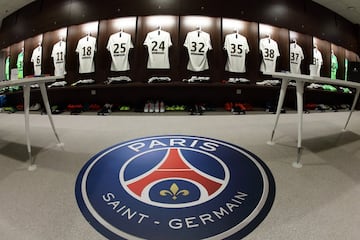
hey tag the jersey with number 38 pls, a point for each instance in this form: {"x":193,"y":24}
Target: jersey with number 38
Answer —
{"x":270,"y":52}
{"x":86,"y":48}
{"x":158,"y":43}
{"x":119,"y":45}
{"x":198,"y":43}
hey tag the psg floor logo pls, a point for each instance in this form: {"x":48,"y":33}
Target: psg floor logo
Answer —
{"x":175,"y":187}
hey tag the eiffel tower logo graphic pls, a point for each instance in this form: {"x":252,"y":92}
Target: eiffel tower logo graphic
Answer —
{"x":174,"y":166}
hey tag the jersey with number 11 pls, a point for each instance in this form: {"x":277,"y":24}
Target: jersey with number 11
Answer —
{"x":58,"y":55}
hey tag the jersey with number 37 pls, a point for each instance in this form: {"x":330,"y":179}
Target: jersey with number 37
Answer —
{"x":119,"y":45}
{"x":158,"y":43}
{"x":198,"y":43}
{"x":86,"y":48}
{"x":270,"y":52}
{"x":296,"y":56}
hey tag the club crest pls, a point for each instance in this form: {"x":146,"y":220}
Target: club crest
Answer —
{"x":175,"y":187}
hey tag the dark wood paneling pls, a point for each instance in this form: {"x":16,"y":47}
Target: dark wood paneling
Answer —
{"x":75,"y":33}
{"x":251,"y":32}
{"x":49,"y":39}
{"x":325,"y":49}
{"x":103,"y":57}
{"x":29,"y":46}
{"x":306,"y":43}
{"x":212,"y":94}
{"x":302,"y":16}
{"x":148,"y":24}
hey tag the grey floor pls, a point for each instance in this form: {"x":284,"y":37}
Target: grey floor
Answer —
{"x":319,"y":201}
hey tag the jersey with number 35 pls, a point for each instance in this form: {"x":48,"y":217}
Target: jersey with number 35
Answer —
{"x":198,"y":43}
{"x":270,"y":52}
{"x":86,"y":48}
{"x":158,"y":43}
{"x":236,"y":47}
{"x":119,"y":45}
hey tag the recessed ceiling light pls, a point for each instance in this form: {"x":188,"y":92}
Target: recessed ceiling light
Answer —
{"x":351,"y":8}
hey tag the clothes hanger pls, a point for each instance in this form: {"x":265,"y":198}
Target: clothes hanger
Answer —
{"x":236,"y":32}
{"x":121,"y":31}
{"x":198,"y":28}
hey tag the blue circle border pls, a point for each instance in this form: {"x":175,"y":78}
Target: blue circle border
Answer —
{"x":236,"y":236}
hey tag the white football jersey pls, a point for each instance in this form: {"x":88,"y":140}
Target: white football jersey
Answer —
{"x":236,"y":47}
{"x":36,"y":59}
{"x":119,"y":45}
{"x":317,"y":61}
{"x":158,"y":43}
{"x":198,"y":43}
{"x":86,"y":48}
{"x":270,"y":52}
{"x":58,"y":55}
{"x":296,"y":56}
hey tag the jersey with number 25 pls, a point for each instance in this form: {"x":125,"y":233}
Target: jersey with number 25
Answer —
{"x":119,"y":45}
{"x":86,"y":48}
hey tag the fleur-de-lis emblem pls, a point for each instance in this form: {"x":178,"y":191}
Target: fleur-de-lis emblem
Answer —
{"x":174,"y":192}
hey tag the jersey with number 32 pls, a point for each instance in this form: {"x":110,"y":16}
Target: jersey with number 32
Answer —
{"x":86,"y":48}
{"x":198,"y":43}
{"x":270,"y":52}
{"x":158,"y":43}
{"x":119,"y":45}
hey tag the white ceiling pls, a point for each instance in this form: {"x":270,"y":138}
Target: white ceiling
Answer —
{"x":350,"y":9}
{"x":7,"y":7}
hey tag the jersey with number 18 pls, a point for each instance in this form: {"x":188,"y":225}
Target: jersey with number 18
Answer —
{"x":86,"y":48}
